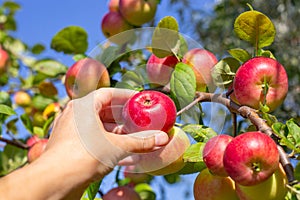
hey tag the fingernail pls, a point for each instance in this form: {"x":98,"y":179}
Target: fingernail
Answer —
{"x":161,"y":138}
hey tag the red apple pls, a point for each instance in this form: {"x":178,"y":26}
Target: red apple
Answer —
{"x":113,"y":5}
{"x":4,"y":57}
{"x":85,"y":76}
{"x":149,"y":110}
{"x":113,"y":24}
{"x":257,"y":75}
{"x":251,"y":158}
{"x":22,"y":98}
{"x":169,"y":158}
{"x":32,"y":140}
{"x":159,"y":70}
{"x":121,"y":193}
{"x":274,"y":188}
{"x":210,"y":187}
{"x":36,"y":150}
{"x":138,"y":12}
{"x":136,"y":175}
{"x":202,"y":61}
{"x":213,"y":152}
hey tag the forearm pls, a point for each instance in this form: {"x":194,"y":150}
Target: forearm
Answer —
{"x":47,"y":178}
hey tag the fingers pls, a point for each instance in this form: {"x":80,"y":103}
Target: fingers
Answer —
{"x":140,"y":142}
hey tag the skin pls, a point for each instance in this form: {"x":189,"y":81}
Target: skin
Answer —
{"x":249,"y":82}
{"x":66,"y":150}
{"x":251,"y":158}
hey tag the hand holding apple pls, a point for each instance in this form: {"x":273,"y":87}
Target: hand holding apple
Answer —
{"x":149,"y":110}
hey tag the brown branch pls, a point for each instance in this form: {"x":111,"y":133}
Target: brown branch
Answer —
{"x":15,"y":143}
{"x":255,"y":119}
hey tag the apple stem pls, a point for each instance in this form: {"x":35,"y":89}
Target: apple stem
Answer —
{"x":15,"y":143}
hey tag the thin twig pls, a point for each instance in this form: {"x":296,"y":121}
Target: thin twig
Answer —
{"x":15,"y":143}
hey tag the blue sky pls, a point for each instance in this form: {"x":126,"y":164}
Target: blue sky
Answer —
{"x":38,"y":21}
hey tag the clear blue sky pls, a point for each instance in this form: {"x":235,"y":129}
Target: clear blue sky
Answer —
{"x":38,"y":21}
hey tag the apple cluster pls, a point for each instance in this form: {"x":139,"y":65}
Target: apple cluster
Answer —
{"x":125,"y":15}
{"x":242,"y":167}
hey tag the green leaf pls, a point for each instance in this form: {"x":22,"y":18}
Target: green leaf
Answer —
{"x":240,"y":54}
{"x":199,"y":132}
{"x":5,"y":98}
{"x":70,"y":40}
{"x":27,"y":122}
{"x":266,"y":53}
{"x":294,"y":131}
{"x":37,"y":49}
{"x":224,"y":71}
{"x":40,"y":102}
{"x":4,"y":109}
{"x":172,"y":178}
{"x":183,"y":88}
{"x":145,"y":191}
{"x":11,"y":5}
{"x":93,"y":189}
{"x":255,"y":28}
{"x":11,"y":158}
{"x":50,"y":68}
{"x":192,"y":167}
{"x":194,"y":153}
{"x":165,"y":39}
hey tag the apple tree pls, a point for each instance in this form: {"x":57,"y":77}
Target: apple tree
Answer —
{"x":238,"y":92}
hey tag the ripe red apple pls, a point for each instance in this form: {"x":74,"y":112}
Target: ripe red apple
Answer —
{"x":169,"y":158}
{"x":22,"y":98}
{"x":36,"y":150}
{"x":138,"y":12}
{"x":136,"y":175}
{"x":113,"y":24}
{"x":4,"y":58}
{"x":257,"y":75}
{"x":159,"y":70}
{"x":85,"y":76}
{"x":149,"y":110}
{"x":251,"y":158}
{"x":32,"y":140}
{"x":121,"y":193}
{"x":113,"y":5}
{"x":202,"y":61}
{"x":210,"y":187}
{"x":213,"y":152}
{"x":274,"y":188}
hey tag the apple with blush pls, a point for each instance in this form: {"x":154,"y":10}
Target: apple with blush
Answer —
{"x":113,"y":5}
{"x":76,"y":83}
{"x":138,"y":12}
{"x":135,"y":174}
{"x":22,"y":98}
{"x":251,"y":158}
{"x":4,"y":58}
{"x":115,"y":28}
{"x":121,"y":193}
{"x":261,"y":80}
{"x":32,"y":140}
{"x":210,"y":187}
{"x":202,"y":61}
{"x":213,"y":152}
{"x":159,"y":70}
{"x":36,"y":150}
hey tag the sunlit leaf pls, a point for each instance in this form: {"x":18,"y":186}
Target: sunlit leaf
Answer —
{"x":256,"y":28}
{"x":93,"y":189}
{"x":199,"y":132}
{"x":241,"y":55}
{"x":50,"y":68}
{"x":4,"y":109}
{"x":70,"y":40}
